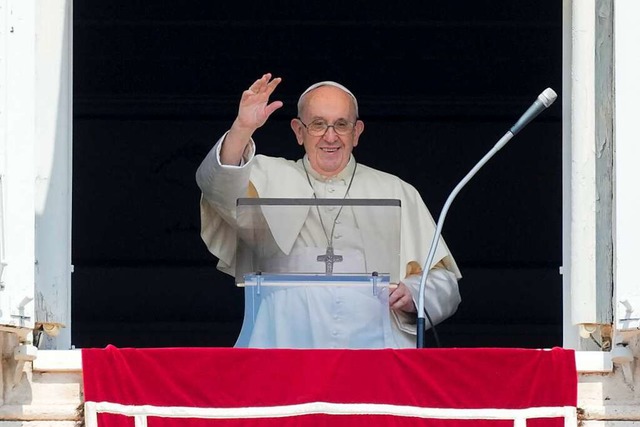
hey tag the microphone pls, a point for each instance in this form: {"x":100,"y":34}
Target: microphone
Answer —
{"x":544,"y":100}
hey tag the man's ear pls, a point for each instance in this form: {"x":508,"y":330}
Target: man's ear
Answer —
{"x":298,"y":130}
{"x":358,"y":131}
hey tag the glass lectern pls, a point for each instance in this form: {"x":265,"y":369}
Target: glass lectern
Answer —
{"x":317,"y":272}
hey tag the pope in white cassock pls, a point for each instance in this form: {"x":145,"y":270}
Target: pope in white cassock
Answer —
{"x":328,"y":128}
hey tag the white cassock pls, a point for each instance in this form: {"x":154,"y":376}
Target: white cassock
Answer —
{"x":301,"y":317}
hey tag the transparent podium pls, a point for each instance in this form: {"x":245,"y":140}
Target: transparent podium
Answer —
{"x":317,"y":272}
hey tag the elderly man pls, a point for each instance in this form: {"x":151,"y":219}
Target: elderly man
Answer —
{"x":328,"y":128}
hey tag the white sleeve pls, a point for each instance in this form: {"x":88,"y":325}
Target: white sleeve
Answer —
{"x":247,"y":156}
{"x":222,"y":184}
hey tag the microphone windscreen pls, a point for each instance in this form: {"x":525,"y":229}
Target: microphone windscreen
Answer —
{"x":547,"y":97}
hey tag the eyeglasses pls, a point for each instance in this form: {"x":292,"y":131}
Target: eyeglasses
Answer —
{"x":319,"y":127}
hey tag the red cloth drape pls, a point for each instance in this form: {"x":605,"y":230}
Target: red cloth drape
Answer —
{"x":251,"y":378}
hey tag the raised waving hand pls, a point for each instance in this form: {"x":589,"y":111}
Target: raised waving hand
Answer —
{"x":254,"y":107}
{"x":253,"y":112}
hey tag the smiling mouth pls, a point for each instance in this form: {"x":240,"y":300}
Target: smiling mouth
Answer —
{"x":330,"y":149}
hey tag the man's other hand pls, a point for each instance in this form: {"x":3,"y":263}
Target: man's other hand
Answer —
{"x":400,"y":299}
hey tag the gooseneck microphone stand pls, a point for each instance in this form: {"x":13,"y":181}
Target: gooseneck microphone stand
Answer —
{"x":544,"y":100}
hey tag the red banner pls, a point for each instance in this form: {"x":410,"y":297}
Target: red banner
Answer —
{"x":415,"y":387}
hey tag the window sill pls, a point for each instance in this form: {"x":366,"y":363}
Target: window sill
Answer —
{"x":591,"y":362}
{"x":587,"y":362}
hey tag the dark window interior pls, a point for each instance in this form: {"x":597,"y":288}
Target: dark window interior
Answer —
{"x":157,"y":82}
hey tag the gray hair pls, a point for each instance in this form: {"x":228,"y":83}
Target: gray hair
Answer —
{"x":328,"y":83}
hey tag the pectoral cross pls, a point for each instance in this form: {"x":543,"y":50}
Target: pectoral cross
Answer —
{"x":329,"y":258}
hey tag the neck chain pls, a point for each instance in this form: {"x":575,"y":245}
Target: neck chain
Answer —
{"x":329,"y":257}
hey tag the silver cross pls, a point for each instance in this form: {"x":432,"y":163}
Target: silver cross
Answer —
{"x":329,"y":258}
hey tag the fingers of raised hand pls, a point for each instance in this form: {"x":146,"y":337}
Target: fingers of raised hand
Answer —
{"x":264,"y":85}
{"x":271,"y":86}
{"x":273,"y":107}
{"x":254,"y":106}
{"x":258,"y":84}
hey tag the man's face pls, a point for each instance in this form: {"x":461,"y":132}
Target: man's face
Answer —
{"x":329,"y":153}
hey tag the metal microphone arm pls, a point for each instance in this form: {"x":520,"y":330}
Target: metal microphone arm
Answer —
{"x":545,"y":99}
{"x":436,"y":236}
